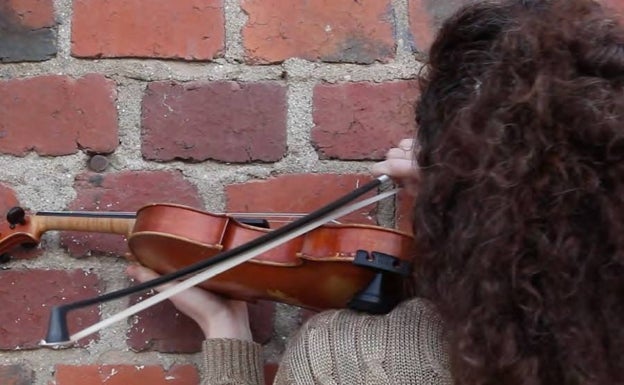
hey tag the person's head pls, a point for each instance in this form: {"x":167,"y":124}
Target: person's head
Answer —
{"x":519,"y":221}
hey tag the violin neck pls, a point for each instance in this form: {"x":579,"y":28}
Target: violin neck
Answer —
{"x":97,"y":222}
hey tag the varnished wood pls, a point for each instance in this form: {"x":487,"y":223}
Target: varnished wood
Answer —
{"x":44,"y":223}
{"x":314,"y":270}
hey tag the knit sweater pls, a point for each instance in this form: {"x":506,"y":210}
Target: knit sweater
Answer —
{"x":341,"y":347}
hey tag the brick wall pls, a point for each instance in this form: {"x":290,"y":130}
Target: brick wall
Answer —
{"x":224,"y":105}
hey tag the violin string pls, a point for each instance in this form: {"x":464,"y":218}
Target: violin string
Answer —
{"x":273,"y":217}
{"x":217,"y":269}
{"x":127,"y":214}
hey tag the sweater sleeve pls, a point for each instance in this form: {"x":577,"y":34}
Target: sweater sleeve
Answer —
{"x":342,"y":347}
{"x":232,"y":362}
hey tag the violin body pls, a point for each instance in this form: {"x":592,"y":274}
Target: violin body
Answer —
{"x":314,"y":270}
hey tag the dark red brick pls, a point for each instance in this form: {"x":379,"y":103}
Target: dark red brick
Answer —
{"x":297,"y":193}
{"x":426,"y":17}
{"x":16,"y":375}
{"x":33,"y":13}
{"x":181,"y":29}
{"x":162,"y":328}
{"x":124,"y":191}
{"x":27,"y":297}
{"x":261,"y":319}
{"x":331,"y":31}
{"x":404,"y":211}
{"x":357,"y":121}
{"x":615,"y":5}
{"x":125,"y":375}
{"x":270,"y":370}
{"x":26,"y":27}
{"x":58,"y":115}
{"x":224,"y":121}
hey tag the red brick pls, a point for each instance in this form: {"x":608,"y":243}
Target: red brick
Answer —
{"x":261,"y":319}
{"x":33,"y":13}
{"x":124,"y":191}
{"x":426,"y":17}
{"x":331,"y":31}
{"x":27,"y":30}
{"x":125,"y":375}
{"x":404,"y":212}
{"x":27,"y":297}
{"x":224,"y":121}
{"x":58,"y":115}
{"x":356,"y":121}
{"x":181,"y":29}
{"x":8,"y":200}
{"x":16,"y":375}
{"x":270,"y":370}
{"x":162,"y":328}
{"x":297,"y":193}
{"x":615,"y":5}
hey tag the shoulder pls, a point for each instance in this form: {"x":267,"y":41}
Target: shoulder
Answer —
{"x":411,"y":318}
{"x":405,"y":345}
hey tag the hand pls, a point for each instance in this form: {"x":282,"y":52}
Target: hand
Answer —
{"x":400,"y":165}
{"x":218,"y":317}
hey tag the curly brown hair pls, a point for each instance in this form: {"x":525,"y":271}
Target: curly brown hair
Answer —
{"x":520,"y":217}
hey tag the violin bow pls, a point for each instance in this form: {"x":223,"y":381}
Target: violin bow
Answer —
{"x":58,"y":334}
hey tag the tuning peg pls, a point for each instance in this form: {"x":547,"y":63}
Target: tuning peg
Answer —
{"x":16,"y":216}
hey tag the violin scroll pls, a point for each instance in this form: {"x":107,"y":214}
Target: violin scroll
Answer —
{"x":18,"y":230}
{"x":16,"y":216}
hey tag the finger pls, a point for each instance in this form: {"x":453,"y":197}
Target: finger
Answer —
{"x":399,"y":153}
{"x":396,"y":168}
{"x":406,"y":144}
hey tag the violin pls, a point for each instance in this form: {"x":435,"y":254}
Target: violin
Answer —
{"x":325,"y":268}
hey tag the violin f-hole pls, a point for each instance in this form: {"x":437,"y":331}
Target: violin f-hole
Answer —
{"x":256,"y":222}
